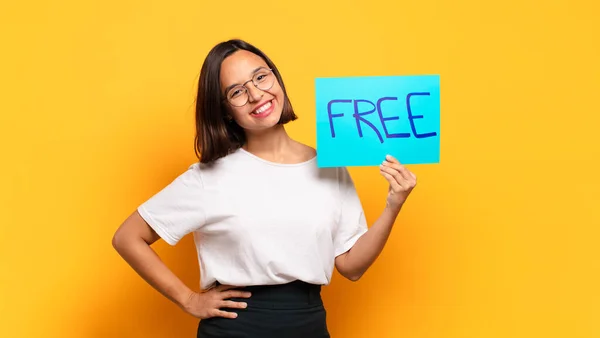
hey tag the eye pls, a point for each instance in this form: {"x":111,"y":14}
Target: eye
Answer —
{"x":260,"y":77}
{"x":235,"y":92}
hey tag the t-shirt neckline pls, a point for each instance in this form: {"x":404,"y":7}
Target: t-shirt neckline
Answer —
{"x":242,"y":150}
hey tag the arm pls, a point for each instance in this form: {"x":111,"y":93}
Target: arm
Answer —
{"x":355,"y":262}
{"x":132,"y":241}
{"x":175,"y":211}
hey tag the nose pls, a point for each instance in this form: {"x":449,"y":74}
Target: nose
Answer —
{"x":254,"y":94}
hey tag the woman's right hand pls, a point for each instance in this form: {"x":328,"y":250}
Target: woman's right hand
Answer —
{"x":209,"y":303}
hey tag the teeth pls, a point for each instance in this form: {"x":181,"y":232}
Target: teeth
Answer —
{"x":263,"y":108}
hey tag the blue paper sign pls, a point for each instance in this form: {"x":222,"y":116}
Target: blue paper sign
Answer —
{"x":362,"y":119}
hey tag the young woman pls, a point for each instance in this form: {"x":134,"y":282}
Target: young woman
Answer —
{"x":268,"y":225}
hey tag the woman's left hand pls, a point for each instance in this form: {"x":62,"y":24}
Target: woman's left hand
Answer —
{"x":401,"y":180}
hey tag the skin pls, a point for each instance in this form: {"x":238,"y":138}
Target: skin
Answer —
{"x":266,"y":139}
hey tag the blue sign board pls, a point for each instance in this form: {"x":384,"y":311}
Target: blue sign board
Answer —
{"x":362,"y":119}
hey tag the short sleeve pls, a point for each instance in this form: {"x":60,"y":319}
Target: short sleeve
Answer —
{"x":176,"y":210}
{"x":352,"y":222}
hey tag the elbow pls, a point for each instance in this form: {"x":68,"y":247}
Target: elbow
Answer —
{"x":354,"y":278}
{"x":133,"y":232}
{"x":118,"y":240}
{"x":350,"y":272}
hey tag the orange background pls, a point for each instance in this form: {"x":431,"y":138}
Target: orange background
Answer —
{"x":499,"y":240}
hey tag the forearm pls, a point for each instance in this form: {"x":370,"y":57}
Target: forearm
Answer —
{"x":144,"y":260}
{"x":368,"y":247}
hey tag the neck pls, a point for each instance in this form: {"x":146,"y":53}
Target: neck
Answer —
{"x":271,"y":143}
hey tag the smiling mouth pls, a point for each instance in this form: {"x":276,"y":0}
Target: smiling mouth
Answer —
{"x":263,"y":108}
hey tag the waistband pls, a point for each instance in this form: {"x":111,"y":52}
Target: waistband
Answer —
{"x":294,"y":295}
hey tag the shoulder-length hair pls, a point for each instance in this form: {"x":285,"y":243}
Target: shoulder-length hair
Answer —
{"x":216,"y":135}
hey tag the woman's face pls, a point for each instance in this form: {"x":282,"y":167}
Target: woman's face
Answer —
{"x":243,"y":74}
{"x":263,"y":107}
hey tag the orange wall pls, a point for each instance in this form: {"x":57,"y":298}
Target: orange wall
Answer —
{"x":499,"y":240}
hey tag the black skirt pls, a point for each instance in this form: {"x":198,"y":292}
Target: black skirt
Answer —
{"x":283,"y":311}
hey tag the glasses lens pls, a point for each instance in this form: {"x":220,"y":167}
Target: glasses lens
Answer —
{"x":264,"y":79}
{"x":237,"y":96}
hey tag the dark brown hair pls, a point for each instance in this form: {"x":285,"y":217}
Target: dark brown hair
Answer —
{"x":216,"y":135}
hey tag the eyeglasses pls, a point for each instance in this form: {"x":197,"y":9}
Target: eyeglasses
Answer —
{"x":263,"y":79}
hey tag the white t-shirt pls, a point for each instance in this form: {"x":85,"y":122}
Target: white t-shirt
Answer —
{"x":257,"y":222}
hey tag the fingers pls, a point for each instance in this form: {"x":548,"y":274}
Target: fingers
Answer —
{"x":394,"y":163}
{"x":210,"y":302}
{"x":394,"y":186}
{"x":233,"y":305}
{"x":235,"y":294}
{"x":403,"y":176}
{"x":230,"y":291}
{"x":395,"y":178}
{"x":224,"y":314}
{"x":223,"y":287}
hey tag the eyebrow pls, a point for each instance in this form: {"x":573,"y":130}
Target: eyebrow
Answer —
{"x":235,"y":84}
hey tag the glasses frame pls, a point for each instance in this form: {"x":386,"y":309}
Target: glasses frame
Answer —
{"x":243,"y":85}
